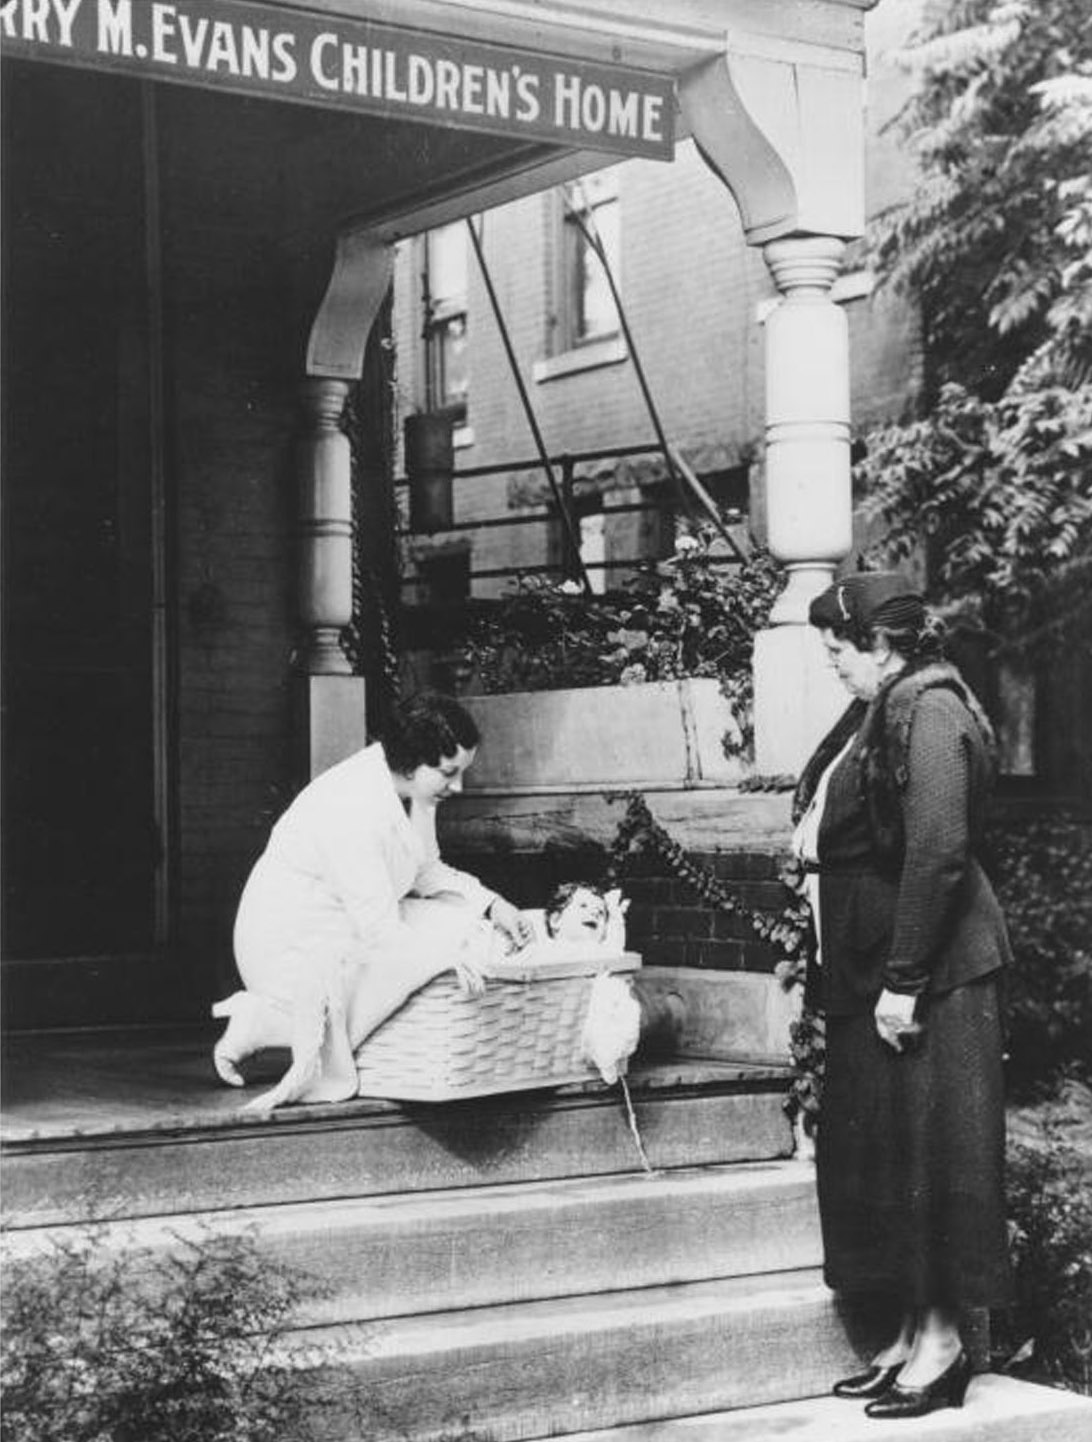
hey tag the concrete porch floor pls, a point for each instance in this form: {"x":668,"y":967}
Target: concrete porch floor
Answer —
{"x":85,"y":1084}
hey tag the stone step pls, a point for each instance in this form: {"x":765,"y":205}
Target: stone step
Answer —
{"x":485,"y":1246}
{"x":687,"y":1116}
{"x":996,"y":1409}
{"x":549,"y":1368}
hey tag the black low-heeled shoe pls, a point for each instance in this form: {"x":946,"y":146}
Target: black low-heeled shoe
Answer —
{"x":947,"y":1390}
{"x":875,"y":1382}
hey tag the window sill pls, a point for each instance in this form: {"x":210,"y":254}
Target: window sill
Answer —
{"x":606,"y":352}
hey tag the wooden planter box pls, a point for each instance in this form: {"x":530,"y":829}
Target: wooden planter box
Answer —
{"x":657,"y":733}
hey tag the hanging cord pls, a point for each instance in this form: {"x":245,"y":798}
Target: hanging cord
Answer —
{"x":584,"y":219}
{"x":632,"y":1117}
{"x":563,"y":510}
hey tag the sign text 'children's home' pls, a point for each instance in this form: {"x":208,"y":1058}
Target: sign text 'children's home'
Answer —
{"x":328,"y":60}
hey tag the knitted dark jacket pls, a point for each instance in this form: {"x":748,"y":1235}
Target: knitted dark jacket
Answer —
{"x":903,"y":900}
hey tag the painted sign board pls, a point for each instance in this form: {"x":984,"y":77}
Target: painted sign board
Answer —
{"x":336,"y":61}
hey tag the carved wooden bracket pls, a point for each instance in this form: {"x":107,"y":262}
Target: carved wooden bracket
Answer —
{"x":363,"y":265}
{"x":736,"y":150}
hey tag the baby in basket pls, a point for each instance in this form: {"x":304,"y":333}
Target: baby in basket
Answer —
{"x":579,"y":912}
{"x":578,"y":920}
{"x":580,"y":923}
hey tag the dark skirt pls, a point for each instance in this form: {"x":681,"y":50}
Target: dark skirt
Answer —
{"x":910,"y":1156}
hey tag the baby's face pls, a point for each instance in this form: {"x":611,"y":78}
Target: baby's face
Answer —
{"x":584,"y":917}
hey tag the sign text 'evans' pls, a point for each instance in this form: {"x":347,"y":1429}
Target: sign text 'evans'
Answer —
{"x":259,"y":49}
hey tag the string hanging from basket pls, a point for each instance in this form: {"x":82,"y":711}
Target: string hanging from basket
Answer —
{"x":635,"y":1131}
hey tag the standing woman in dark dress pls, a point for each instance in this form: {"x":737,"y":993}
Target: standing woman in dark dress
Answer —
{"x":910,"y":1148}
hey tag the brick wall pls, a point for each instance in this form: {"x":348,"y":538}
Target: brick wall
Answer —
{"x":667,"y":922}
{"x":671,"y":926}
{"x":692,"y":290}
{"x":231,"y":419}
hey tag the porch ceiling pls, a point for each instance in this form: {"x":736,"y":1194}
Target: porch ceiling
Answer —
{"x":304,"y":173}
{"x":396,"y":178}
{"x":341,"y":169}
{"x":435,"y":176}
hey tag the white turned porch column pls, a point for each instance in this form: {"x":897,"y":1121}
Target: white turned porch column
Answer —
{"x":808,"y":495}
{"x":325,"y":527}
{"x":331,"y":721}
{"x":782,"y":125}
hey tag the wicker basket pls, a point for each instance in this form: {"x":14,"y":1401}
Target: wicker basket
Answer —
{"x":523,"y":1032}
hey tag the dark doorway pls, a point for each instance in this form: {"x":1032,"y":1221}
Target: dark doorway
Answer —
{"x":80,"y":839}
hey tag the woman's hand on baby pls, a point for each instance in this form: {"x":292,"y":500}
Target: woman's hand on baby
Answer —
{"x":515,"y":925}
{"x":470,"y":979}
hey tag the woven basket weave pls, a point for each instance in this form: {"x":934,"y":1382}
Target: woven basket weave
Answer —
{"x":523,"y":1032}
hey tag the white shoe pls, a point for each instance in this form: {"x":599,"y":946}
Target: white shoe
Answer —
{"x":240,"y":1038}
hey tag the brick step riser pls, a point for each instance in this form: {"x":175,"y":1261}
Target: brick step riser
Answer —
{"x":302,"y":1159}
{"x":393,"y":1257}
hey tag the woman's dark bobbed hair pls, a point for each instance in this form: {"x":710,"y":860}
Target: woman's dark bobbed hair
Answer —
{"x":424,"y":730}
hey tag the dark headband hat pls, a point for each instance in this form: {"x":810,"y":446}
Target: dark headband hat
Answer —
{"x":867,"y":599}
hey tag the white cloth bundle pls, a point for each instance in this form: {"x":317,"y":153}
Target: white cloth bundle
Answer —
{"x":612,"y":1026}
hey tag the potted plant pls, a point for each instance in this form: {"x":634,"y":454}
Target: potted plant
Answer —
{"x":646,"y":686}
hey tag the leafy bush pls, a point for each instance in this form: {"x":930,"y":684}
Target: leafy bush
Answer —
{"x":994,"y":245}
{"x":1000,"y":492}
{"x":1043,"y":873}
{"x":994,"y":240}
{"x":102,"y":1345}
{"x":1048,"y":1331}
{"x":693,"y":614}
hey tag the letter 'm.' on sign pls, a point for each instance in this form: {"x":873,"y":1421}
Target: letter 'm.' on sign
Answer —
{"x":331,"y":61}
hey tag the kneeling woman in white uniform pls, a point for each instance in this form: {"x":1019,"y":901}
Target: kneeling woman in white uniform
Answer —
{"x":349,"y":910}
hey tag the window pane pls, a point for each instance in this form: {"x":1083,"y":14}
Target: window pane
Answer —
{"x":451,"y":343}
{"x":591,"y":205}
{"x":593,"y":549}
{"x":447,"y":266}
{"x":445,"y":319}
{"x":597,"y":310}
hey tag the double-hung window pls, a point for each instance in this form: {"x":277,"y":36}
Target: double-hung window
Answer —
{"x":445,"y":335}
{"x":587,"y":312}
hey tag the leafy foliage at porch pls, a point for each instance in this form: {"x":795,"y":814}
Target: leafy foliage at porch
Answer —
{"x":788,"y":931}
{"x":102,"y":1345}
{"x":995,"y":245}
{"x":1043,"y":874}
{"x":1000,"y":491}
{"x":689,"y":615}
{"x":1047,"y":1334}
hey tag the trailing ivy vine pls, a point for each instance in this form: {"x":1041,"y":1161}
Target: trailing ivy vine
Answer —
{"x":371,"y":639}
{"x":789,"y":931}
